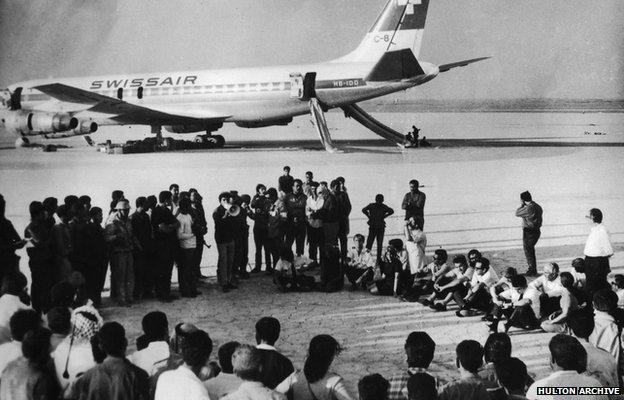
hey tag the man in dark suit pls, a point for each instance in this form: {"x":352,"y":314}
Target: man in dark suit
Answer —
{"x":275,"y":366}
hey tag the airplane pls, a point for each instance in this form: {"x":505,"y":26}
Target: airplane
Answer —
{"x":385,"y":61}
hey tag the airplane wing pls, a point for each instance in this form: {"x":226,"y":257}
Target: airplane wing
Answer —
{"x":127,"y":112}
{"x":446,"y":67}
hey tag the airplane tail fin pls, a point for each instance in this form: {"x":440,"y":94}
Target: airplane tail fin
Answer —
{"x":399,"y":26}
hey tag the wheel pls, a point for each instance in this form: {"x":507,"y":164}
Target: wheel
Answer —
{"x":200,"y":139}
{"x":220,"y":140}
{"x":22,"y":142}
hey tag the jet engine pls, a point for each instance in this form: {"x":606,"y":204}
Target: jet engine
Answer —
{"x":84,"y":127}
{"x":37,"y":123}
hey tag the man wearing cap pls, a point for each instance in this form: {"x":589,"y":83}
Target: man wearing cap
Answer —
{"x":118,"y":233}
{"x":531,"y":214}
{"x":414,"y":202}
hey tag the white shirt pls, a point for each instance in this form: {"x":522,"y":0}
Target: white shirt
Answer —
{"x":80,"y":361}
{"x":530,"y":294}
{"x":254,"y":391}
{"x":222,"y":385}
{"x":180,"y":383}
{"x":149,"y":356}
{"x":313,"y":205}
{"x":567,"y":379}
{"x":331,"y":387}
{"x":551,"y":288}
{"x":185,"y":232}
{"x":9,"y":352}
{"x":598,"y":243}
{"x":361,"y":260}
{"x":620,"y":295}
{"x":9,"y":304}
{"x":489,"y":278}
{"x":605,"y":334}
{"x":600,"y":365}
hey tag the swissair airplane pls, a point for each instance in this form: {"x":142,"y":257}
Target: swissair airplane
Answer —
{"x":386,"y":61}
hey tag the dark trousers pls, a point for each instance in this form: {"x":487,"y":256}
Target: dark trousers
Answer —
{"x":315,"y":242}
{"x":479,"y":300}
{"x":241,"y":254}
{"x":529,"y":240}
{"x":549,"y":305}
{"x":275,"y":247}
{"x":521,"y":317}
{"x":225,"y":263}
{"x":296,"y":233}
{"x":95,"y":276}
{"x":42,"y":278}
{"x":376,"y":232}
{"x":596,"y":271}
{"x":261,"y":241}
{"x":164,"y":254}
{"x":330,"y":233}
{"x":197,"y":256}
{"x":343,"y":233}
{"x":353,"y":274}
{"x":149,"y":279}
{"x":140,"y":266}
{"x":187,"y":277}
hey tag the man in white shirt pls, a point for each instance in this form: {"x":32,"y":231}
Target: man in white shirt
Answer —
{"x":188,"y":241}
{"x":549,"y":287}
{"x":360,"y":264}
{"x":315,"y":225}
{"x":597,"y":252}
{"x":156,"y":328}
{"x":247,"y":364}
{"x":478,"y":296}
{"x":567,"y":356}
{"x":183,"y":382}
{"x":521,"y":306}
{"x":226,"y":382}
{"x":15,"y":285}
{"x":21,"y":322}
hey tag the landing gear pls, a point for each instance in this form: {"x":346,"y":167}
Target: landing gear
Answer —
{"x":157,"y":130}
{"x":22,"y":142}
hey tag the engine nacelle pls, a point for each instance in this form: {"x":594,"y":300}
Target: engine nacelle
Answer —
{"x":83,"y":128}
{"x":37,"y":123}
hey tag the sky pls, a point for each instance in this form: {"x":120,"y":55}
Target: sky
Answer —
{"x":540,"y":49}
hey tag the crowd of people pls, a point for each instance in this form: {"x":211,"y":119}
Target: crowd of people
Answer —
{"x":70,"y":247}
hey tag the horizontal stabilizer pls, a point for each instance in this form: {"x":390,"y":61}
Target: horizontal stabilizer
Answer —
{"x":446,"y":67}
{"x":354,"y":111}
{"x":394,"y":66}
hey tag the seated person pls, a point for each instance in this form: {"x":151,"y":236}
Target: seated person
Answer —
{"x":360,"y":264}
{"x":504,"y":282}
{"x":512,"y":375}
{"x":497,"y":349}
{"x":285,"y":273}
{"x":226,"y":382}
{"x":580,"y":282}
{"x":156,"y":328}
{"x":556,"y":322}
{"x":425,"y":277}
{"x":393,"y":263}
{"x":469,"y":385}
{"x":618,"y":287}
{"x":373,"y":387}
{"x":520,"y":304}
{"x":478,"y":296}
{"x":422,"y":386}
{"x":549,"y":287}
{"x":458,"y":286}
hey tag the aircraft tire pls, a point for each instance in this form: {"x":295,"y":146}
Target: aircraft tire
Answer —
{"x":220,"y":141}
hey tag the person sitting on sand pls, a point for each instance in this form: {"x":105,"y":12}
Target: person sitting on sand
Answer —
{"x":424,"y":142}
{"x":503,"y":283}
{"x":373,"y":387}
{"x":360,"y":264}
{"x":460,"y":275}
{"x":549,"y":287}
{"x":469,"y":385}
{"x":419,"y":349}
{"x":478,"y":296}
{"x":556,"y":322}
{"x":426,"y":277}
{"x":392,"y":265}
{"x":521,"y":306}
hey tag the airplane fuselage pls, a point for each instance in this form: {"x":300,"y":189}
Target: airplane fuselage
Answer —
{"x":243,"y":94}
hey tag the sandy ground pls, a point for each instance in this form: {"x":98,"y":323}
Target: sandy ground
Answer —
{"x":472,"y":189}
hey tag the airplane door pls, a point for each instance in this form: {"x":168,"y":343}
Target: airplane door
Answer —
{"x":302,"y":87}
{"x":296,"y":86}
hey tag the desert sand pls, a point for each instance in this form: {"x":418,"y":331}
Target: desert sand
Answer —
{"x":472,"y":177}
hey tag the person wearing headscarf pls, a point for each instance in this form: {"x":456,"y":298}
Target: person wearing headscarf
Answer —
{"x":73,"y":356}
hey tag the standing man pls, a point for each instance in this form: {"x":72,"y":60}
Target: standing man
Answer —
{"x":315,"y":225}
{"x":344,"y":207}
{"x":97,"y":263}
{"x":286,"y":181}
{"x":142,"y":229}
{"x":118,"y":233}
{"x":260,"y":205}
{"x":186,"y":270}
{"x":414,"y":202}
{"x":224,"y":237}
{"x":307,"y":185}
{"x":175,"y":197}
{"x":597,"y":252}
{"x":200,"y":228}
{"x":39,"y":232}
{"x":295,"y":210}
{"x":165,"y":227}
{"x":531,"y":214}
{"x":377,"y":212}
